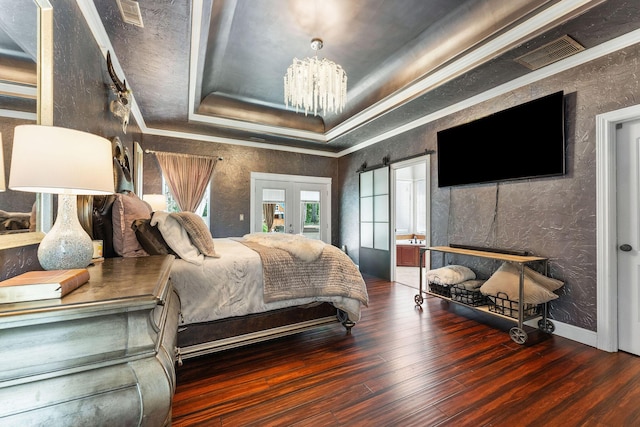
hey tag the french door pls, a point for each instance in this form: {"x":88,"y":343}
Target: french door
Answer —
{"x":291,"y":204}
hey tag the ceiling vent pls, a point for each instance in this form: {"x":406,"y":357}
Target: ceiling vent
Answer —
{"x":130,"y":11}
{"x":551,"y":52}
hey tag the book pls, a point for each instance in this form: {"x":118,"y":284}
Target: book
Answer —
{"x":39,"y":285}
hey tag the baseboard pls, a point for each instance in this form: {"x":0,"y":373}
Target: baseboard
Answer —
{"x":571,"y":332}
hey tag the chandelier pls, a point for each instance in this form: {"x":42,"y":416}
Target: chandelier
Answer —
{"x":314,"y":84}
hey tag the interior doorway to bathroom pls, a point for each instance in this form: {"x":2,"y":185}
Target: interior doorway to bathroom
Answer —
{"x":410,"y":210}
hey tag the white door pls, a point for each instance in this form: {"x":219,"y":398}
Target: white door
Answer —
{"x":628,"y":238}
{"x":310,"y":199}
{"x":292,"y":204}
{"x":273,"y":210}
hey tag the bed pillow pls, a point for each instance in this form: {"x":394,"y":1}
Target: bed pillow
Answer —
{"x":176,"y":237}
{"x":450,"y":275}
{"x":506,"y":280}
{"x":126,"y":209}
{"x":150,"y":238}
{"x":198,"y":232}
{"x":548,"y":282}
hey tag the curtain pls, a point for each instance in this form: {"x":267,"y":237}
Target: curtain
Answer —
{"x":268,"y":211}
{"x":187,"y":177}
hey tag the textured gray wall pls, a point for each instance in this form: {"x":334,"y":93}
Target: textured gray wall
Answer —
{"x":81,"y":95}
{"x":550,"y":217}
{"x":230,"y":193}
{"x":81,"y":87}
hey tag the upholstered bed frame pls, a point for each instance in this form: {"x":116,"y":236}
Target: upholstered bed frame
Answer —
{"x":203,"y":338}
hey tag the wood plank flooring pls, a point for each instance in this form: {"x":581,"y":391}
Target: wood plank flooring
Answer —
{"x":443,"y":365}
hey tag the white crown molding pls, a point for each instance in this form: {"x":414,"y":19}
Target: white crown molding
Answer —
{"x":467,"y":62}
{"x":583,"y":57}
{"x":534,"y":24}
{"x":476,"y":57}
{"x":239,"y":142}
{"x":91,"y":16}
{"x":257,"y":127}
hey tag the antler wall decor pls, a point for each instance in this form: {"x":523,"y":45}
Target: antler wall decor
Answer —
{"x":121,"y":106}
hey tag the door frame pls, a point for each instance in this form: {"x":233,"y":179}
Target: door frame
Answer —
{"x":263,"y":176}
{"x":606,"y":226}
{"x":392,"y":202}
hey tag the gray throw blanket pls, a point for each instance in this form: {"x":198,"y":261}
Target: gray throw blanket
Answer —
{"x":286,"y":276}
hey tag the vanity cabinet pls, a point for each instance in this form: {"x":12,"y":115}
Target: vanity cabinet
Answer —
{"x":408,"y":255}
{"x":101,"y":356}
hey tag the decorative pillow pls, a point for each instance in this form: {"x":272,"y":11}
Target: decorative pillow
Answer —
{"x":506,"y":280}
{"x":548,"y":282}
{"x":127,"y":208}
{"x":450,"y":275}
{"x":198,"y":232}
{"x":176,"y":237}
{"x":150,"y":238}
{"x":469,"y":285}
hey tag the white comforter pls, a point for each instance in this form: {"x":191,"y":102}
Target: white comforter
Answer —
{"x":232,"y":286}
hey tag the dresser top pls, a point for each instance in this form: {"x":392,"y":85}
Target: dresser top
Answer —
{"x":116,"y":284}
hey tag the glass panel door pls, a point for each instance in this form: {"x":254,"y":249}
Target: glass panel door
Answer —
{"x":313,"y":203}
{"x":310,"y":214}
{"x":273,"y":210}
{"x":293,"y":207}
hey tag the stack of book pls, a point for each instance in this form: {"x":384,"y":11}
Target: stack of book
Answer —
{"x":40,"y":285}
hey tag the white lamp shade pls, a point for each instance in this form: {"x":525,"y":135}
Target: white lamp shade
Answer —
{"x":158,"y":202}
{"x":49,"y":159}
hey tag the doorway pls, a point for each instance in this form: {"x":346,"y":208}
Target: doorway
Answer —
{"x":410,"y":208}
{"x":628,"y":238}
{"x":616,"y":228}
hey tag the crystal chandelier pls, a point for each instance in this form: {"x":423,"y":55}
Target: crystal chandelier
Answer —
{"x":314,"y":84}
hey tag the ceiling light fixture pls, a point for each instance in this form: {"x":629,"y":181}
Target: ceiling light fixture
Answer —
{"x":314,"y":84}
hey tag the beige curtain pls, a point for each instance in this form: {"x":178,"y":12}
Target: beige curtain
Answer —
{"x":268,"y":211}
{"x":187,"y":177}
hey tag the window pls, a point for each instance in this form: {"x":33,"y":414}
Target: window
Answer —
{"x":203,"y":209}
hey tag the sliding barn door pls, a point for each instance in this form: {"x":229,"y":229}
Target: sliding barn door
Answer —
{"x":374,"y":223}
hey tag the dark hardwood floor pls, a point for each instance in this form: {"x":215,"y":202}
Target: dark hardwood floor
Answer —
{"x":442,"y":365}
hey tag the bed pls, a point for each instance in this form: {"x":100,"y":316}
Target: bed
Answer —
{"x":233,"y":291}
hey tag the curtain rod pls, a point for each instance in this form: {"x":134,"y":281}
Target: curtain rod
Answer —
{"x":219,"y":158}
{"x":386,"y":161}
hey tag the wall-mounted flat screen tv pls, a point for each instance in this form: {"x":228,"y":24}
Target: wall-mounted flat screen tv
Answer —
{"x":525,"y":141}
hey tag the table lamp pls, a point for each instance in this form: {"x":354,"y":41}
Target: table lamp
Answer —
{"x":158,"y":202}
{"x":66,"y":162}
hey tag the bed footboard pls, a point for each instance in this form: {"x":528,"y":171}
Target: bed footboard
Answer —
{"x":210,"y":337}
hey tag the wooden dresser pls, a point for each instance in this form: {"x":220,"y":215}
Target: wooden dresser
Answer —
{"x":101,"y":356}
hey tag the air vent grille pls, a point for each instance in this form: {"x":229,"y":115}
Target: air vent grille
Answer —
{"x":551,"y":52}
{"x":130,"y":11}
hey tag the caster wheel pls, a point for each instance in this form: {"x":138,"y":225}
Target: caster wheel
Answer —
{"x":546,"y":326}
{"x":518,"y":335}
{"x":418,"y":299}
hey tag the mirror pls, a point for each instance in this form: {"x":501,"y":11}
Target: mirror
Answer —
{"x":43,"y":94}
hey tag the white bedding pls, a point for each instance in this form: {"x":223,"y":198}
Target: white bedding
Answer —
{"x":232,"y":286}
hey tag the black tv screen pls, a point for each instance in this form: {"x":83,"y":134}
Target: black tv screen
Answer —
{"x":524,"y":141}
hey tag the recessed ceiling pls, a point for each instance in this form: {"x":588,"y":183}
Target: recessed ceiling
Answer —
{"x":214,"y":70}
